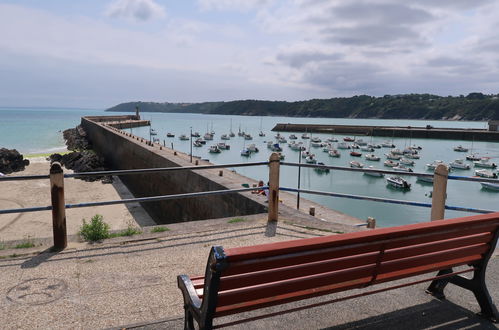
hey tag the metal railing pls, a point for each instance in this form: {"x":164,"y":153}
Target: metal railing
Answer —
{"x":58,"y":206}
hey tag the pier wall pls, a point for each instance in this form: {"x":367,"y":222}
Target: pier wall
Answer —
{"x":124,"y":152}
{"x":389,"y":131}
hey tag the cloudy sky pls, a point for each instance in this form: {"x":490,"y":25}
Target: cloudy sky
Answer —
{"x":97,"y":53}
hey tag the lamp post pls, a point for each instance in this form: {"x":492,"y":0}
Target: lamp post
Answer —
{"x":191,"y":144}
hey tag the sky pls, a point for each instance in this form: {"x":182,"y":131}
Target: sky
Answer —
{"x":98,"y":53}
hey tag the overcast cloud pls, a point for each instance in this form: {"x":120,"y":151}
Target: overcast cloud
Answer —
{"x":106,"y":52}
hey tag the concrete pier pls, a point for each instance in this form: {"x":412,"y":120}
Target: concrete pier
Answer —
{"x":427,"y":132}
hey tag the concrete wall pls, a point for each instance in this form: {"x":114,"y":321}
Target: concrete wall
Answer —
{"x":122,"y":152}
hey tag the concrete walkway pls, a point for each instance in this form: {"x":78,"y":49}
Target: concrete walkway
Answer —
{"x":132,"y":284}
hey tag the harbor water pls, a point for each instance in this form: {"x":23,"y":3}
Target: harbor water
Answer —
{"x":37,"y":131}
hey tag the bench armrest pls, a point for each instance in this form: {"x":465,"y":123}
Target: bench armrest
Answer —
{"x":188,"y":291}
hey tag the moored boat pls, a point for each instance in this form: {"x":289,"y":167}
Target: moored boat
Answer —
{"x":334,"y":153}
{"x":459,"y":164}
{"x":343,"y":145}
{"x":367,"y":148}
{"x":356,"y":164}
{"x":293,"y":137}
{"x":387,"y":144}
{"x":223,"y":146}
{"x":473,"y":157}
{"x":425,"y":179}
{"x":355,"y":154}
{"x":252,"y":148}
{"x":348,"y":139}
{"x":390,"y":163}
{"x":398,"y":182}
{"x":412,"y":156}
{"x":305,"y":136}
{"x":402,"y":168}
{"x":245,"y":152}
{"x":484,"y":162}
{"x":392,"y":156}
{"x":183,"y":137}
{"x":490,"y":186}
{"x":484,"y":173}
{"x":374,"y":174}
{"x":214,"y":149}
{"x":310,"y":159}
{"x":406,"y":162}
{"x":372,"y":157}
{"x":321,"y":170}
{"x":196,"y":134}
{"x":197,"y":144}
{"x":460,"y":148}
{"x":170,"y":134}
{"x":225,"y":137}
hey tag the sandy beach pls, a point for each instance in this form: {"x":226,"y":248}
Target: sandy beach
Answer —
{"x":21,"y":194}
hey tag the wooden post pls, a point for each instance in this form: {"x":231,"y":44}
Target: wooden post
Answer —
{"x":371,"y":223}
{"x":439,"y":193}
{"x":311,"y":211}
{"x":58,"y":206}
{"x":220,"y":173}
{"x":274,"y":165}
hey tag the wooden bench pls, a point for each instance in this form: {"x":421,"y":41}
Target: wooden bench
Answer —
{"x":248,"y":278}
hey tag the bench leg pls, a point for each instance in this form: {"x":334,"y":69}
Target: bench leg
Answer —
{"x":188,"y":319}
{"x":478,"y":286}
{"x":437,"y":287}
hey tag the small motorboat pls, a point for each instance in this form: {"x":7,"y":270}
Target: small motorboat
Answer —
{"x":398,"y":182}
{"x":473,"y":157}
{"x":208,"y":136}
{"x":459,"y":164}
{"x":460,"y":148}
{"x":282,"y":139}
{"x":248,"y":136}
{"x":152,"y":131}
{"x":375,"y":146}
{"x":225,"y":137}
{"x":387,"y":144}
{"x":393,"y":156}
{"x":361,"y":142}
{"x":200,"y":141}
{"x":343,"y":145}
{"x":196,"y":134}
{"x":412,"y":156}
{"x":293,"y":137}
{"x":355,"y":154}
{"x":334,"y":153}
{"x":261,"y":133}
{"x":374,"y":174}
{"x":367,"y":148}
{"x":315,"y":139}
{"x":490,"y":186}
{"x":321,"y":170}
{"x":484,"y":162}
{"x":406,"y":162}
{"x":316,"y":144}
{"x":252,"y":148}
{"x":197,"y":144}
{"x":332,"y":139}
{"x":402,"y":168}
{"x":310,"y":159}
{"x":348,"y":139}
{"x":484,"y":173}
{"x":183,"y":137}
{"x":304,"y":154}
{"x":232,"y":134}
{"x":245,"y":152}
{"x":327,"y":147}
{"x":170,"y":135}
{"x":372,"y":157}
{"x":354,"y":146}
{"x":390,"y":163}
{"x":223,"y":146}
{"x":433,"y":166}
{"x":296,"y":146}
{"x":396,"y":151}
{"x":214,"y":149}
{"x":305,"y":136}
{"x":276,"y":147}
{"x":425,"y":179}
{"x":356,"y":164}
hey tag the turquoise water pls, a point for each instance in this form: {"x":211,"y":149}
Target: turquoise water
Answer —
{"x":33,"y":131}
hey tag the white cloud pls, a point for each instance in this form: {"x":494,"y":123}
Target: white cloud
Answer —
{"x":237,"y":5}
{"x":139,"y":10}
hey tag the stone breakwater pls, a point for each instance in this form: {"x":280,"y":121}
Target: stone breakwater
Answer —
{"x":427,"y":132}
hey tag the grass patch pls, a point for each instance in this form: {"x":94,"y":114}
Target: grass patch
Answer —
{"x":96,"y":230}
{"x":45,"y":154}
{"x":130,"y":231}
{"x":24,"y":245}
{"x":236,"y":220}
{"x":159,"y":229}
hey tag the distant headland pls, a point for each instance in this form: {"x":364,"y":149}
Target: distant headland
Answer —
{"x":474,"y":106}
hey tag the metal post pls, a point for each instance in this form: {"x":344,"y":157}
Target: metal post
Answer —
{"x":274,"y":167}
{"x":299,"y":181}
{"x":58,"y":206}
{"x":439,"y":193}
{"x":191,"y":145}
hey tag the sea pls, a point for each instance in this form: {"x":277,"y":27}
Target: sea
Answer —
{"x":36,"y":131}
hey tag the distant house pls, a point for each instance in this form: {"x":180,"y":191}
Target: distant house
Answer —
{"x":494,"y":125}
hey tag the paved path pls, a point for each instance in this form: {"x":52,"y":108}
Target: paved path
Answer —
{"x":125,"y":283}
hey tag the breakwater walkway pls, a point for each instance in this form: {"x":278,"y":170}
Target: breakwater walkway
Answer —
{"x":123,"y":284}
{"x":427,"y":132}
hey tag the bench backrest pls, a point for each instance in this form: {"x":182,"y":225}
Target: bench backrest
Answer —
{"x":252,"y":277}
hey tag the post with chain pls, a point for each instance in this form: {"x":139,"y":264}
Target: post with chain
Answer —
{"x":439,"y":193}
{"x":58,"y":206}
{"x":274,"y":167}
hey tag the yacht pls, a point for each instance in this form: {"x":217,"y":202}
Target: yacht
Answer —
{"x":406,"y":162}
{"x":223,"y":146}
{"x":343,"y":145}
{"x":245,"y":152}
{"x":402,"y":168}
{"x":248,"y":136}
{"x":396,"y":151}
{"x":208,"y":136}
{"x":183,"y":137}
{"x":356,"y":164}
{"x":355,"y":154}
{"x":197,"y":144}
{"x":390,"y":163}
{"x":225,"y":137}
{"x":261,"y":134}
{"x":392,"y":156}
{"x":200,"y":141}
{"x":170,"y":134}
{"x":484,"y":173}
{"x":196,"y":134}
{"x":473,"y":157}
{"x":282,"y":139}
{"x":252,"y":148}
{"x":361,"y":142}
{"x":433,"y":166}
{"x":305,"y":136}
{"x":490,"y":186}
{"x":367,"y":148}
{"x":484,"y":162}
{"x":214,"y":149}
{"x":387,"y":144}
{"x":316,"y":139}
{"x":293,"y":137}
{"x":348,"y":139}
{"x":310,"y":159}
{"x":460,"y":148}
{"x":334,"y":153}
{"x":412,"y":156}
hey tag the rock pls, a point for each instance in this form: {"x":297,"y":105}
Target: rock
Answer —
{"x":55,"y":158}
{"x":12,"y":161}
{"x":79,"y":162}
{"x":76,"y":139}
